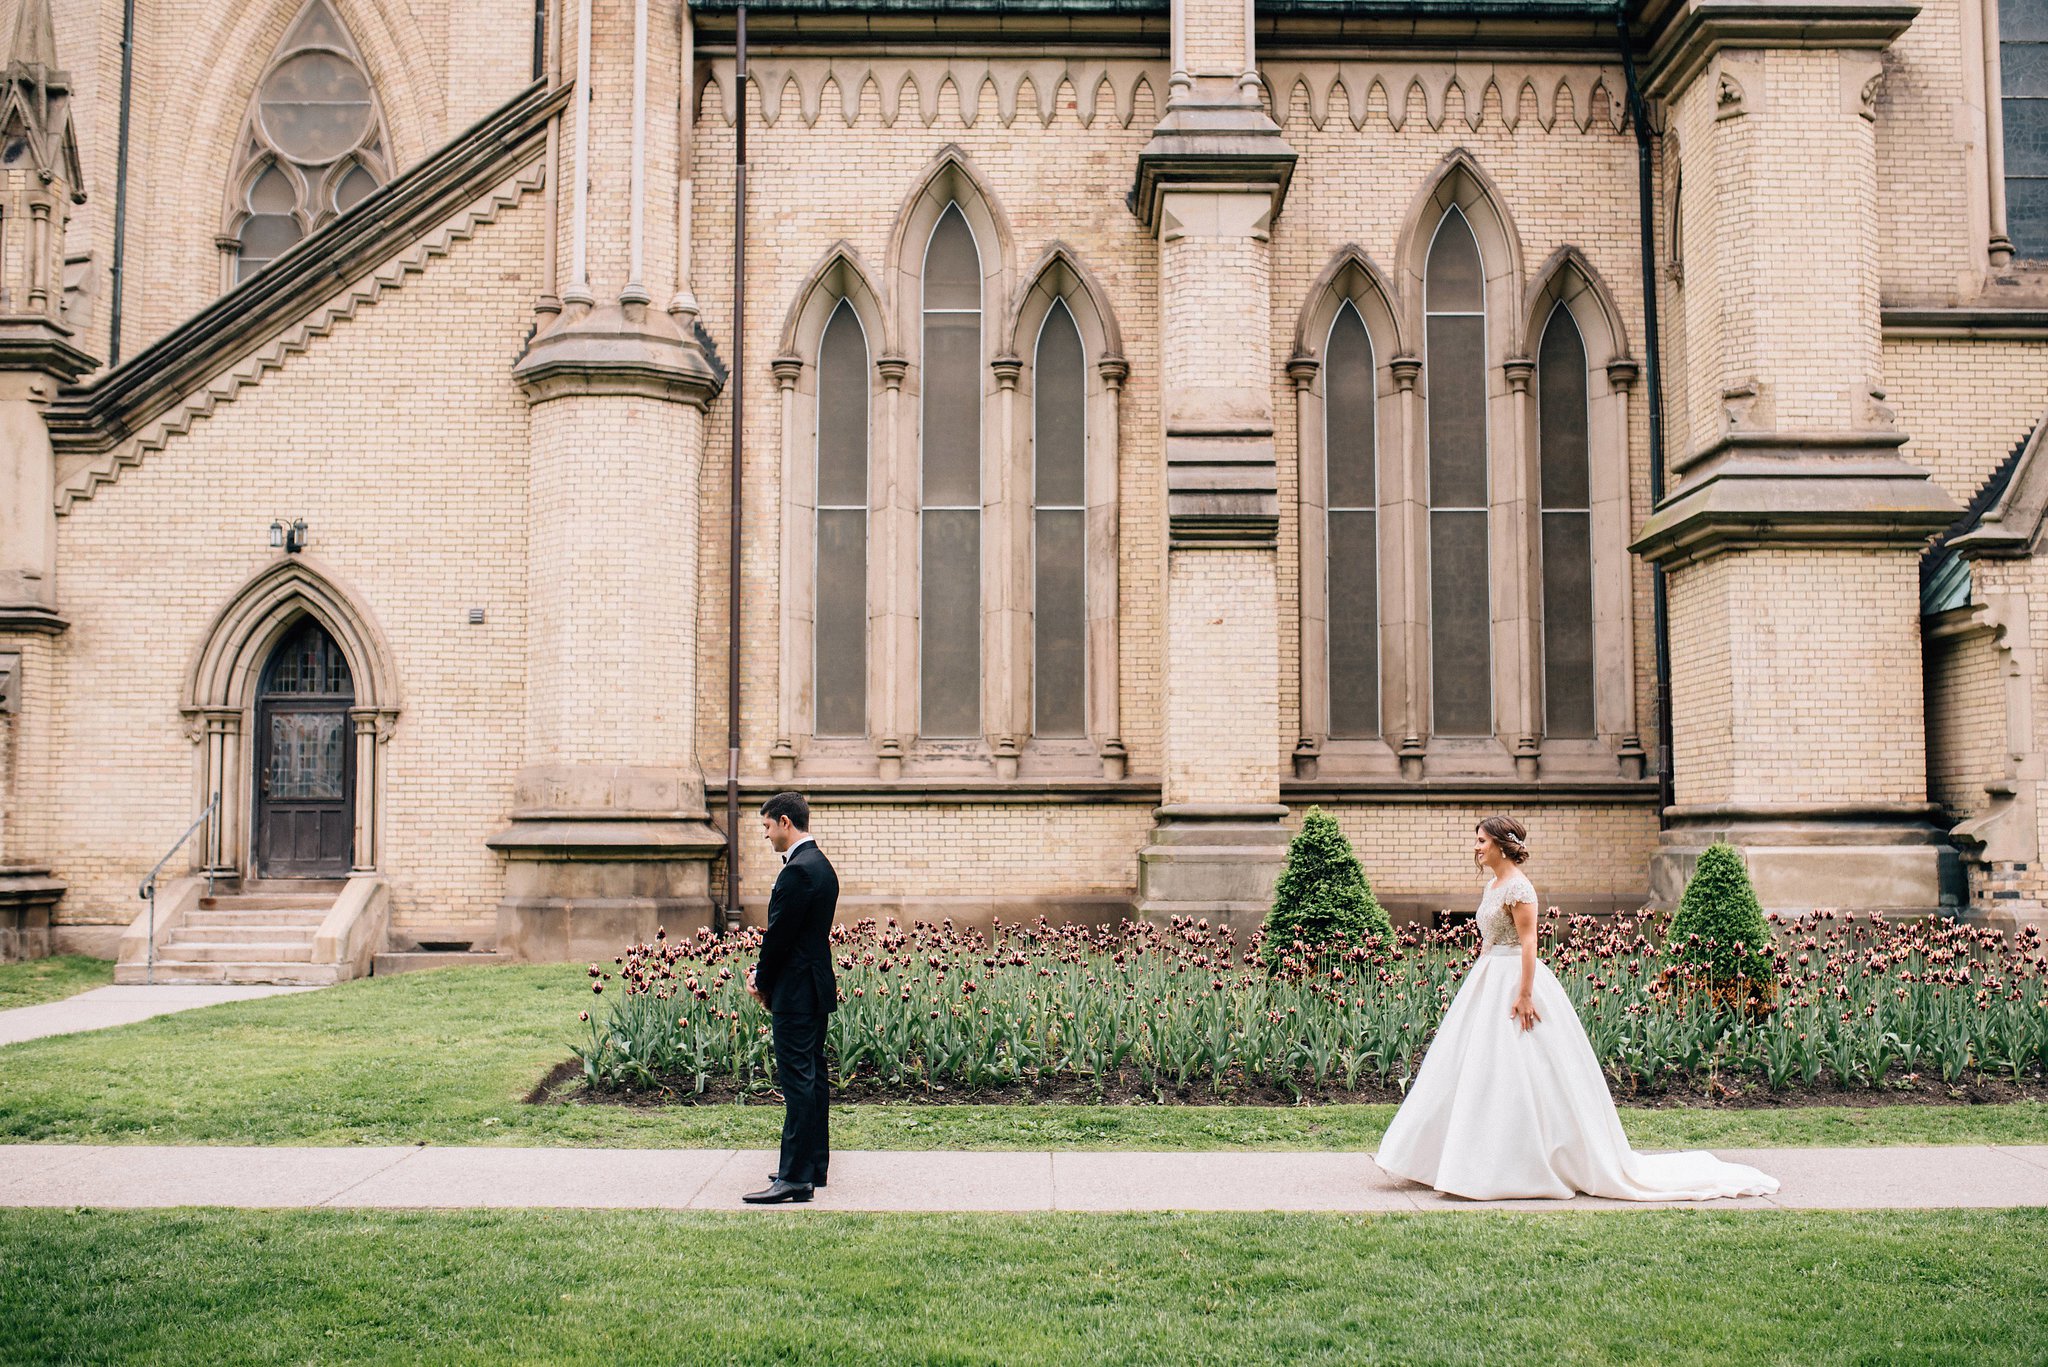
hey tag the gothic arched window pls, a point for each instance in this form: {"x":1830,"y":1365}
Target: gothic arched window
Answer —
{"x":840,"y":650}
{"x":1567,"y":528}
{"x":1454,"y":304}
{"x":1060,"y":528}
{"x":949,"y":636}
{"x":312,"y":146}
{"x":1351,"y":485}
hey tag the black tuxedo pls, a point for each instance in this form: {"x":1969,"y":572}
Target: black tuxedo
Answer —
{"x":795,"y":976}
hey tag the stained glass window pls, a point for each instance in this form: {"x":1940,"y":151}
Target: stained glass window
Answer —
{"x":313,"y":145}
{"x":1060,"y":513}
{"x":1352,"y":484}
{"x":1454,"y":336}
{"x":949,"y":646}
{"x":1567,"y":528}
{"x":840,"y":626}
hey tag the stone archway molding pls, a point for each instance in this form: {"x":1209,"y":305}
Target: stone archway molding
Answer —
{"x":219,"y":701}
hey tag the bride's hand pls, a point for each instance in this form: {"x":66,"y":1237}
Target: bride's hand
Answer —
{"x":1524,"y":1013}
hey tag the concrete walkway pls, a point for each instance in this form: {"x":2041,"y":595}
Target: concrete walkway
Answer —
{"x":712,"y":1179}
{"x":102,"y":1007}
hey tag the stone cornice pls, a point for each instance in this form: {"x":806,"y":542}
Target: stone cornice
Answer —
{"x":1705,"y":27}
{"x":121,"y":403}
{"x":1967,"y":324}
{"x":1212,"y":147}
{"x":630,"y":350}
{"x":915,"y":791}
{"x":1759,"y":490}
{"x":31,"y":621}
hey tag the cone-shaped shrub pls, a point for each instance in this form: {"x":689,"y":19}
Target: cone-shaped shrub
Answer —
{"x":1322,"y":893}
{"x":1720,"y":908}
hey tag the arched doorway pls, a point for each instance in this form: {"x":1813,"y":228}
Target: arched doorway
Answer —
{"x":305,"y":758}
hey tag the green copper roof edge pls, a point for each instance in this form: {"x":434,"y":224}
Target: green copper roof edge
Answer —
{"x":1317,"y":8}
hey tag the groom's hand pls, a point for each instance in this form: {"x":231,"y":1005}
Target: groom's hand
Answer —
{"x":754,"y":989}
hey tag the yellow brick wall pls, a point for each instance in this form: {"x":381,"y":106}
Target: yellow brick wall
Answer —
{"x":1414,"y":851}
{"x":402,"y":442}
{"x":1792,"y":678}
{"x":1965,"y":722}
{"x":1965,"y":404}
{"x":1213,"y":35}
{"x":1221,"y":649}
{"x":1930,"y":236}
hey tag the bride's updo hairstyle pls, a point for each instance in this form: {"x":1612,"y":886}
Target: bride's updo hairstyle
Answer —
{"x":1511,"y":835}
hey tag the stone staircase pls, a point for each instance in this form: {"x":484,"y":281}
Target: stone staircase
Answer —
{"x":256,"y":932}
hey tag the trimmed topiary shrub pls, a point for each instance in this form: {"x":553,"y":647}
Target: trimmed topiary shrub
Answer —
{"x":1719,"y":931}
{"x":1322,"y":894}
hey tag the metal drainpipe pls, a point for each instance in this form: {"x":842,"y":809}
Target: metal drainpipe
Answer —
{"x":1653,"y":377}
{"x":121,"y":185}
{"x":739,"y":387}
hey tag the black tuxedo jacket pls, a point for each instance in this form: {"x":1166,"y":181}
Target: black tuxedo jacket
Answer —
{"x":795,"y":970}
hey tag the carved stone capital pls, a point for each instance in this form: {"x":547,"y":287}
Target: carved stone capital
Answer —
{"x":787,"y":370}
{"x":1407,"y":370}
{"x":1303,"y":370}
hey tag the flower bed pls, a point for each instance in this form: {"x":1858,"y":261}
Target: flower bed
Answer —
{"x":1858,"y":1003}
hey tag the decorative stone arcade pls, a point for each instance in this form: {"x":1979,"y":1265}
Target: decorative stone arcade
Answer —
{"x":1209,"y":185}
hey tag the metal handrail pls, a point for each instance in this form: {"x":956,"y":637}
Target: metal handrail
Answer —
{"x":148,"y":888}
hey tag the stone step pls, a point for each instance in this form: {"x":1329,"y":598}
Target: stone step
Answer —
{"x":275,"y":916}
{"x":267,"y":901}
{"x":328,"y":887}
{"x":268,"y":951}
{"x":243,"y":935}
{"x":409,"y":961}
{"x":181,"y":970}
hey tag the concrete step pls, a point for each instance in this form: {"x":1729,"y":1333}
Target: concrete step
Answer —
{"x":247,"y":951}
{"x":184,"y":970}
{"x":328,"y":887}
{"x":243,"y":935}
{"x":274,"y":917}
{"x":409,"y":961}
{"x":268,"y":901}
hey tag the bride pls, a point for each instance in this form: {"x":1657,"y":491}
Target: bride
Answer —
{"x":1510,"y":1101}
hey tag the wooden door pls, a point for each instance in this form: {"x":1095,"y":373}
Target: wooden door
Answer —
{"x":305,"y":759}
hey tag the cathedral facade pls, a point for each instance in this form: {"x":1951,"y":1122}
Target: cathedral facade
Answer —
{"x":452,"y":456}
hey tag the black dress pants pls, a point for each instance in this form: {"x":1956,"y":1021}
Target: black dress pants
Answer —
{"x":801,"y":1073}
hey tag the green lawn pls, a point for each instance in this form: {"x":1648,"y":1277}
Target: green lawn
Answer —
{"x":445,"y":1058}
{"x":49,"y":980}
{"x":580,"y":1287}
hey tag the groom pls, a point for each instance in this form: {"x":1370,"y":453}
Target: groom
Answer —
{"x":794,"y":981}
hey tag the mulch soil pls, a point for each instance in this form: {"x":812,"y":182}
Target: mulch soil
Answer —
{"x":564,"y":1086}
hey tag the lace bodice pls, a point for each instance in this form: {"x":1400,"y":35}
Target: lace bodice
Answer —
{"x":1496,"y":922}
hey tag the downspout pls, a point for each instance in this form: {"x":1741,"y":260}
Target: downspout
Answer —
{"x":739,"y":389}
{"x":121,"y":185}
{"x":1660,"y":611}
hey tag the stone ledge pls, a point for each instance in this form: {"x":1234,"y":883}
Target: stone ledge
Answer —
{"x":1706,"y":27}
{"x":826,"y":792}
{"x":1757,"y":489}
{"x":1638,"y":792}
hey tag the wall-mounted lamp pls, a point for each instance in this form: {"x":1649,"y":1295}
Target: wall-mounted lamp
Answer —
{"x":290,"y":536}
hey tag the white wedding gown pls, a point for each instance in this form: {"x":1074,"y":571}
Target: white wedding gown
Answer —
{"x":1497,"y":1112}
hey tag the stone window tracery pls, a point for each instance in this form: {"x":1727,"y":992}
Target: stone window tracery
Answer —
{"x":1352,"y":507}
{"x":313,"y":144}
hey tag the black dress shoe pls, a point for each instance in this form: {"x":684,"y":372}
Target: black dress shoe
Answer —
{"x":779,"y":1191}
{"x":777,"y":1177}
